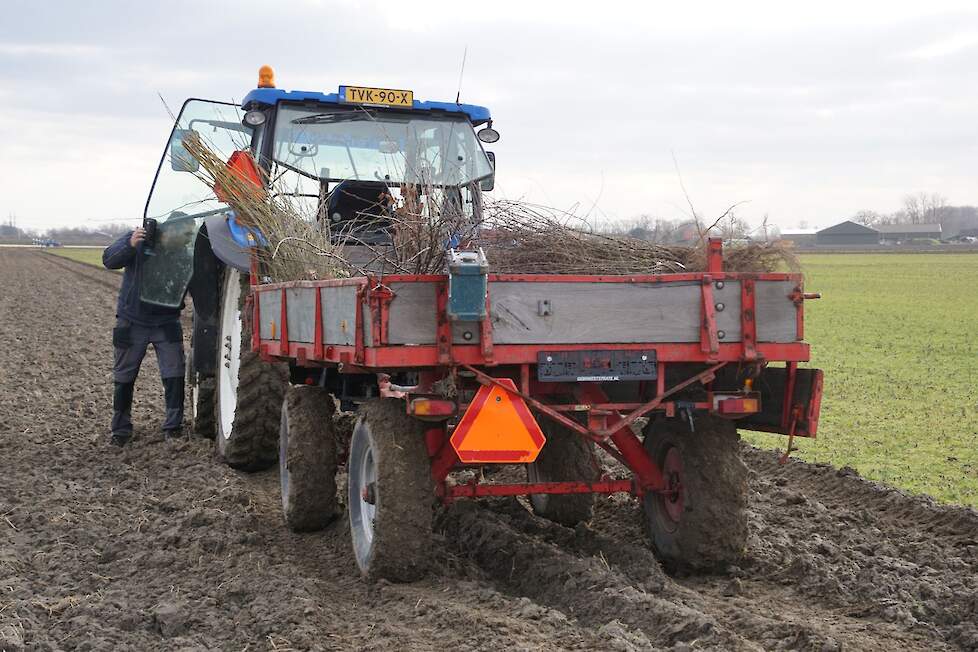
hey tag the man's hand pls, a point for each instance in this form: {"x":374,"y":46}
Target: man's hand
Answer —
{"x":138,"y":235}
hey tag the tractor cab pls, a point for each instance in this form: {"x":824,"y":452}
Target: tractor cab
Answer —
{"x":349,"y":159}
{"x":353,"y":161}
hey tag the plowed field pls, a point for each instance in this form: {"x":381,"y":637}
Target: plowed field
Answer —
{"x":158,"y":546}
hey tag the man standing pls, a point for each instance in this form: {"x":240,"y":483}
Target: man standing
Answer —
{"x":137,"y":325}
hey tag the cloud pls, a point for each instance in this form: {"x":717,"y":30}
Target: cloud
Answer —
{"x":808,"y":111}
{"x":945,"y":46}
{"x":49,"y":49}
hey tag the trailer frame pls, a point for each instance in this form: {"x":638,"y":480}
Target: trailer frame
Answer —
{"x":607,"y":423}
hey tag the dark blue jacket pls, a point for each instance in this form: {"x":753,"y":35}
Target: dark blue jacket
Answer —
{"x":121,"y":255}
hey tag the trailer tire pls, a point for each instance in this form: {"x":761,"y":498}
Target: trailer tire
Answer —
{"x":390,"y":493}
{"x":249,"y":391}
{"x":704,"y":525}
{"x":307,"y":458}
{"x":565,"y":456}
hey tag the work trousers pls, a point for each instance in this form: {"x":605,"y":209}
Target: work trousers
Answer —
{"x":130,"y":342}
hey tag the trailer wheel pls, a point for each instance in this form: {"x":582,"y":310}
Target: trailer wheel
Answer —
{"x":249,"y":391}
{"x":565,"y":456}
{"x":390,"y":493}
{"x":703,"y":524}
{"x":307,"y":458}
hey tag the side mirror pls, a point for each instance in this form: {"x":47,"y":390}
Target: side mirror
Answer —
{"x":488,"y":135}
{"x":487,"y":184}
{"x":180,"y":159}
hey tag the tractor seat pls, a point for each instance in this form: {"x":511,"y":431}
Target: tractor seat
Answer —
{"x":359,"y":211}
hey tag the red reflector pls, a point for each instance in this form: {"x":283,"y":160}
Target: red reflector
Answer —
{"x":430,"y":407}
{"x":738,"y":406}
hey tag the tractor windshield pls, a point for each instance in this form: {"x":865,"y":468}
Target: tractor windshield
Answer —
{"x":361,"y":144}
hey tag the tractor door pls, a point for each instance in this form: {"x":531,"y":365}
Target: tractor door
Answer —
{"x":182,"y":197}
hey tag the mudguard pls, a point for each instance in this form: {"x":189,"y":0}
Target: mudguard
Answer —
{"x":773,"y":387}
{"x":230,"y":242}
{"x":206,"y":294}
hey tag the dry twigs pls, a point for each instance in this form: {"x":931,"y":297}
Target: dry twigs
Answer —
{"x":296,"y":246}
{"x":409,"y":228}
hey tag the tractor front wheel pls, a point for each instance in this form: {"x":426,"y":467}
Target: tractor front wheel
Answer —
{"x":700,"y":521}
{"x":390,"y":493}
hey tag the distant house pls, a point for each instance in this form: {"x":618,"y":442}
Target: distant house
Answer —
{"x":799,"y":237}
{"x":848,"y":234}
{"x":905,"y":232}
{"x":687,"y":233}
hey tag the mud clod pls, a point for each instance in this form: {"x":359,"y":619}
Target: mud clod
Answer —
{"x":170,"y":619}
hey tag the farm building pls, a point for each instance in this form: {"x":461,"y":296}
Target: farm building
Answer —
{"x":848,"y":234}
{"x":905,"y":232}
{"x":799,"y":237}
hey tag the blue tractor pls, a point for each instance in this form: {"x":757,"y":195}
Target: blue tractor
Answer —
{"x":337,"y":150}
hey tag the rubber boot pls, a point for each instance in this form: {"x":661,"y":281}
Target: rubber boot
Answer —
{"x":173,"y":393}
{"x":122,"y":413}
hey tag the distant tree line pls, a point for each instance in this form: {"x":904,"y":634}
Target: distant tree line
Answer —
{"x":925,"y":208}
{"x":685,"y":231}
{"x":10,"y":233}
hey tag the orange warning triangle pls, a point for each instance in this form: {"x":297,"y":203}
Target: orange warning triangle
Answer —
{"x":497,"y":428}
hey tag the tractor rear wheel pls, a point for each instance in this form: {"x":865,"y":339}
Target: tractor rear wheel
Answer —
{"x":702,"y":523}
{"x":201,"y":400}
{"x":390,"y":492}
{"x":307,"y":458}
{"x":249,"y":391}
{"x":565,"y":456}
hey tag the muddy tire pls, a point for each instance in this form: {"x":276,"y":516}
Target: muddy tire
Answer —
{"x":704,"y":524}
{"x":390,"y":493}
{"x":249,"y":391}
{"x":307,"y":458}
{"x":202,"y":408}
{"x":201,"y":400}
{"x":565,"y":456}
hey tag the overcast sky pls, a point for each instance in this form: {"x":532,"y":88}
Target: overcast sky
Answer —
{"x":807,"y":114}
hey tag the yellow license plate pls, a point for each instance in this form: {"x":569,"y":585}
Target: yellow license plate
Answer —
{"x":376,"y":96}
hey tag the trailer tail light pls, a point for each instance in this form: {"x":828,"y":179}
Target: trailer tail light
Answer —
{"x":738,"y":406}
{"x":497,"y":428}
{"x":431,"y":407}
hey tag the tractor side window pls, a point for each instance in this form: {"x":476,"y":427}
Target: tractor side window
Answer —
{"x":178,"y":185}
{"x":181,"y":200}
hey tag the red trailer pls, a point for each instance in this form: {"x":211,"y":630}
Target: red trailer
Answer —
{"x":655,"y":371}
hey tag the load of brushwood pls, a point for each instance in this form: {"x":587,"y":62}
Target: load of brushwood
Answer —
{"x":418,"y":224}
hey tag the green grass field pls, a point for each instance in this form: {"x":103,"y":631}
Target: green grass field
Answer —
{"x":897,"y":337}
{"x":81,"y":254}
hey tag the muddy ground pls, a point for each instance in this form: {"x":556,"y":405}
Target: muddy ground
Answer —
{"x":160,"y":547}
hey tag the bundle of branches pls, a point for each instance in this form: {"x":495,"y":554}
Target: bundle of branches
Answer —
{"x":295,"y":247}
{"x":527,"y":239}
{"x":412,"y":232}
{"x":750,"y":257}
{"x":421,"y":225}
{"x":521,"y":238}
